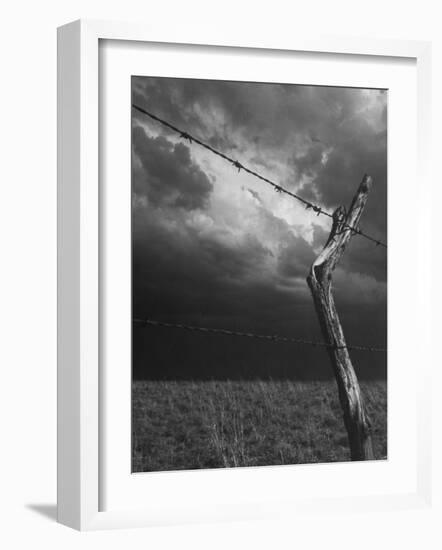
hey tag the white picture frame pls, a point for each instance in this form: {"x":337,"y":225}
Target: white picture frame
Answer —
{"x":79,"y":437}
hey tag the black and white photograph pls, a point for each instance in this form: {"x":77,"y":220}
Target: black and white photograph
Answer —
{"x":259,"y":274}
{"x":220,"y":275}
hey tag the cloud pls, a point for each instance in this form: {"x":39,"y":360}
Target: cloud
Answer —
{"x":295,"y":258}
{"x":219,"y":248}
{"x":255,"y":195}
{"x":165,"y":173}
{"x":320,"y":140}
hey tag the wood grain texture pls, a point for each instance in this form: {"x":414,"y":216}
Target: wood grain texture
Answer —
{"x":356,"y":420}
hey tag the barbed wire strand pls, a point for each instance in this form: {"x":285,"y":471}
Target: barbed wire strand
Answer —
{"x":278,"y":188}
{"x":269,"y":337}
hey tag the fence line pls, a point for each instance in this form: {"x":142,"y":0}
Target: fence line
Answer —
{"x":276,"y":338}
{"x":278,"y":188}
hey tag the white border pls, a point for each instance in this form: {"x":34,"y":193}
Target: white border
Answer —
{"x":78,"y":479}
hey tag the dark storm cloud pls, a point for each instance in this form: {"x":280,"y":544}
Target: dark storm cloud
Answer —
{"x":232,"y":263}
{"x":167,"y":175}
{"x":319,"y":237}
{"x":358,"y":151}
{"x":187,"y":276}
{"x":266,"y":115}
{"x":179,"y":278}
{"x":295,"y":258}
{"x":364,"y":258}
{"x":304,"y":125}
{"x":202,"y":255}
{"x":181,"y":102}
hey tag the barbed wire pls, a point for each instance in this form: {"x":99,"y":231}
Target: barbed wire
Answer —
{"x":276,"y":338}
{"x":278,"y":188}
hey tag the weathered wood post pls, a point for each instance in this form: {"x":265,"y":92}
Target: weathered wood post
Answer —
{"x":319,"y":280}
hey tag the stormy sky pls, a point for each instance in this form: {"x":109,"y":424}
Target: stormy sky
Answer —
{"x":218,"y":248}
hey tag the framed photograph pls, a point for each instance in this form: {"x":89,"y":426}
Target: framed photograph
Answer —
{"x":233,"y":219}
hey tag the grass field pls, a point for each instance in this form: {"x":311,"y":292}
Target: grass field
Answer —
{"x":214,"y":424}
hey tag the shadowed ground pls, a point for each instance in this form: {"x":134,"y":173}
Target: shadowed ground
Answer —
{"x":181,"y":425}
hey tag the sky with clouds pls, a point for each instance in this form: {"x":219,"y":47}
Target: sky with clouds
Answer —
{"x":218,"y":248}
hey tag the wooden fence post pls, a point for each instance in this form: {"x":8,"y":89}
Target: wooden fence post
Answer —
{"x":319,"y":280}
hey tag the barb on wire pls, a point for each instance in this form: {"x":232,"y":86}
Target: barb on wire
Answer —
{"x":278,"y":188}
{"x":237,"y":164}
{"x":269,"y":337}
{"x":186,"y":136}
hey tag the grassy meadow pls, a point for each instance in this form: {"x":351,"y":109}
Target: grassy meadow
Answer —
{"x":179,"y":425}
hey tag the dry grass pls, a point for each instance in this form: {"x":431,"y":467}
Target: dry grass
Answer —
{"x":215,"y":424}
